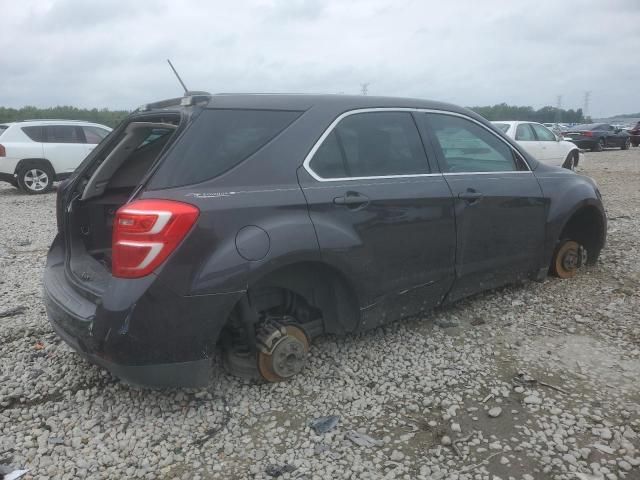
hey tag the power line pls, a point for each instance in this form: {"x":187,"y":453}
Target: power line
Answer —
{"x":364,"y":88}
{"x":587,"y":99}
{"x":559,"y":109}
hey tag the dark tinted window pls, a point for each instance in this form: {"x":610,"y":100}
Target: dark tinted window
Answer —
{"x":94,"y":134}
{"x":63,"y":134}
{"x":468,"y":147}
{"x":218,"y":141}
{"x":34,"y":133}
{"x":3,"y":128}
{"x":328,"y":161}
{"x":543,"y":133}
{"x":371,"y":145}
{"x":524,"y":133}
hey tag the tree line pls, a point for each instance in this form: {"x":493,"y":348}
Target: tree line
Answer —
{"x":103,"y":116}
{"x":111,"y":118}
{"x":502,"y":111}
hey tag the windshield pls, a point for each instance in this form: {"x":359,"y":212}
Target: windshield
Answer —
{"x":502,"y":127}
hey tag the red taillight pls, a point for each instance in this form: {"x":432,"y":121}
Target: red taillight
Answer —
{"x":3,"y":152}
{"x":145,"y":232}
{"x":588,"y":133}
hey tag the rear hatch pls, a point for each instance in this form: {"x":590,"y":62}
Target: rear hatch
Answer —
{"x":110,"y":177}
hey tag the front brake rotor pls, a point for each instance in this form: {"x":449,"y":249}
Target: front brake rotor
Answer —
{"x":282,"y":351}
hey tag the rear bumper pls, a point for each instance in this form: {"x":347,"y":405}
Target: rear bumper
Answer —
{"x":194,"y":373}
{"x":8,"y":177}
{"x":586,"y":144}
{"x":140,"y":331}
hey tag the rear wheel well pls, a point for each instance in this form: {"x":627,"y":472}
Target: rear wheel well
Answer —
{"x":33,"y":162}
{"x":586,"y":226}
{"x":313,"y":293}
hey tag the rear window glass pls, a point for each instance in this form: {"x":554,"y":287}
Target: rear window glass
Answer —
{"x":94,"y":134}
{"x":3,"y":128}
{"x":503,"y":127}
{"x":587,"y":126}
{"x":219,"y":140}
{"x":34,"y":133}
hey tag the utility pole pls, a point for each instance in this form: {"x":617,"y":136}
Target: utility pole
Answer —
{"x":559,"y":110}
{"x":364,"y":88}
{"x":585,"y":109}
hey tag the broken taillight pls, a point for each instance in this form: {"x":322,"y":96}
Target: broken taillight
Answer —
{"x":3,"y":151}
{"x":145,"y":232}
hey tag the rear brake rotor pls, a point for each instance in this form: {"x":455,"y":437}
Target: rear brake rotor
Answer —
{"x":282,"y":351}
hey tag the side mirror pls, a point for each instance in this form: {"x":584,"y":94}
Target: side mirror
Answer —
{"x":558,"y":138}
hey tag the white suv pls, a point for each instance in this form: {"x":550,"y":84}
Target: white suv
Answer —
{"x":35,"y":153}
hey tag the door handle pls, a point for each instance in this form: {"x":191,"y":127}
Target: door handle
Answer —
{"x":352,"y":200}
{"x":470,"y":196}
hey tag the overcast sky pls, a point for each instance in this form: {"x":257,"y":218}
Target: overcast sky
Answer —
{"x":112,"y":53}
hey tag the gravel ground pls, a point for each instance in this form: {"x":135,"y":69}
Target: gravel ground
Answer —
{"x":526,"y":382}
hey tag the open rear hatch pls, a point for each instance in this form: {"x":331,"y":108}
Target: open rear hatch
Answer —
{"x":111,"y":179}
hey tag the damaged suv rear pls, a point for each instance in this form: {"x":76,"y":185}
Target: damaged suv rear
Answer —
{"x":251,"y":224}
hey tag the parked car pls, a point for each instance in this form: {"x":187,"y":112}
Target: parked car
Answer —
{"x":542,"y":143}
{"x":598,"y":136}
{"x":255,"y":223}
{"x":35,"y":153}
{"x":634,"y":135}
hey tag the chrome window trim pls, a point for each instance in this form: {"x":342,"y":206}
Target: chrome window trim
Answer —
{"x":330,"y":128}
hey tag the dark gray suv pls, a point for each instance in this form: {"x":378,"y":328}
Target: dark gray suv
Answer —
{"x":250,"y":224}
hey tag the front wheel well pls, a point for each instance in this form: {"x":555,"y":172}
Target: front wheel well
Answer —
{"x":587,"y":227}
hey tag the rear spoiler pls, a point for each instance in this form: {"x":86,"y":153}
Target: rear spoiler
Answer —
{"x":189,"y":98}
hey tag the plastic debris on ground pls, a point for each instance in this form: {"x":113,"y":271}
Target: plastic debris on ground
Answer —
{"x":322,"y":425}
{"x":279,"y":470}
{"x":362,"y":439}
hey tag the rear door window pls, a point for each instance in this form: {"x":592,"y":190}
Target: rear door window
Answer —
{"x":467,"y":147}
{"x":503,"y":127}
{"x":376,"y":144}
{"x":63,"y":134}
{"x":524,"y":133}
{"x":34,"y":133}
{"x":218,"y":141}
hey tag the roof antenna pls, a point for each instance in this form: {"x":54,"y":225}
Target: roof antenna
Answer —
{"x":186,"y":90}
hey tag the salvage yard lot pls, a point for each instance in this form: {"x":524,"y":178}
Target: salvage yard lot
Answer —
{"x":561,"y":360}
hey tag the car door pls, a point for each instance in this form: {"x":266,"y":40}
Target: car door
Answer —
{"x":527,"y":139}
{"x":552,"y":151}
{"x":381,"y":215}
{"x":500,"y":208}
{"x":64,"y":147}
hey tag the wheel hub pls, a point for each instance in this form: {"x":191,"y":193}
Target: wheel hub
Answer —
{"x":282,"y":350}
{"x":570,"y":260}
{"x":35,"y":179}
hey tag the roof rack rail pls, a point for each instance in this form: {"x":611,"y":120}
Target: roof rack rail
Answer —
{"x":53,"y":120}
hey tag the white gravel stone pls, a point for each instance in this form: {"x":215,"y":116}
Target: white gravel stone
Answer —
{"x":494,"y":412}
